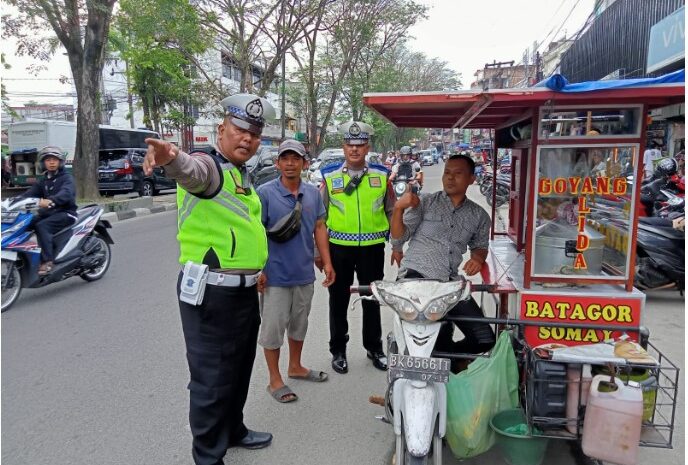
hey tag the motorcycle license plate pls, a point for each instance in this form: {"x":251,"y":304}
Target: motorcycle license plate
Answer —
{"x":418,"y":368}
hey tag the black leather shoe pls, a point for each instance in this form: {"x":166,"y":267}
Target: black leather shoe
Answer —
{"x":379,"y":360}
{"x":339,"y":363}
{"x":254,"y":440}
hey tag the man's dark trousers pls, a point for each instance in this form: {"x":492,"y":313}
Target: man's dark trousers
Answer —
{"x":368,"y":262}
{"x":46,"y":227}
{"x":220,"y":336}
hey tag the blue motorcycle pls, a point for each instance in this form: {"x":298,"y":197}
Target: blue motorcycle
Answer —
{"x":82,"y":249}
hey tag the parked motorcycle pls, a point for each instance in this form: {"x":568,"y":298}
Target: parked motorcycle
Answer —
{"x":80,"y":250}
{"x":416,"y":396}
{"x":660,"y":262}
{"x":503,"y":190}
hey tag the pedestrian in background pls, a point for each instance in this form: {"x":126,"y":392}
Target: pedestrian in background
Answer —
{"x":359,"y":203}
{"x":223,"y":248}
{"x":294,"y":216}
{"x":649,"y":156}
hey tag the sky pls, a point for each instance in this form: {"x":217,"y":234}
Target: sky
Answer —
{"x":469,"y":33}
{"x":465,"y":33}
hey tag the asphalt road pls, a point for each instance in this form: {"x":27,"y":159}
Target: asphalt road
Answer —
{"x":96,"y":373}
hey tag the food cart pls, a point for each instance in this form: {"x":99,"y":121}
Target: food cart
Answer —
{"x":562,"y":250}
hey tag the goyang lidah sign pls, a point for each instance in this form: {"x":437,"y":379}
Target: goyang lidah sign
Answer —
{"x":580,"y":310}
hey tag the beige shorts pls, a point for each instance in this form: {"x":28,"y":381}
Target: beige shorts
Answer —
{"x":284,"y":308}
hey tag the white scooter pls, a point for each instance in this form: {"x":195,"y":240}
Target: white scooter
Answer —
{"x":416,"y":397}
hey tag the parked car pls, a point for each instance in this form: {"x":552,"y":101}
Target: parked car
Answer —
{"x":326,"y":158}
{"x":121,"y":171}
{"x":261,"y":167}
{"x":426,"y":158}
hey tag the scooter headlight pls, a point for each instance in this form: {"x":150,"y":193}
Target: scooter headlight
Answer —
{"x":400,"y":189}
{"x":405,"y":308}
{"x":439,"y":307}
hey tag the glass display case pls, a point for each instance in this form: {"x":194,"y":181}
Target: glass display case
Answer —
{"x":601,"y":122}
{"x":583,"y":214}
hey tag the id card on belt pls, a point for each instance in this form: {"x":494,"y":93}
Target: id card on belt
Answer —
{"x":193,"y":283}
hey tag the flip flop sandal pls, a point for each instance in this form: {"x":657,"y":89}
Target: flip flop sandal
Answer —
{"x":315,"y":376}
{"x":281,"y":394}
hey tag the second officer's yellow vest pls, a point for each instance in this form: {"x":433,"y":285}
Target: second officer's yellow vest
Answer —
{"x":358,"y":218}
{"x":229,"y":223}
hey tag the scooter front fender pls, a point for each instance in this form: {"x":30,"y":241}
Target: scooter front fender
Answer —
{"x":418,"y":407}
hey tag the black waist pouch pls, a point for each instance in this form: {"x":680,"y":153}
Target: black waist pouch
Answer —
{"x":288,"y":226}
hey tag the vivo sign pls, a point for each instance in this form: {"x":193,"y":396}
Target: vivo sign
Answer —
{"x":667,"y":41}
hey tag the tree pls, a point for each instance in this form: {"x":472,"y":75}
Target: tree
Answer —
{"x":258,"y":33}
{"x":5,"y":106}
{"x":397,"y":70}
{"x":346,"y":36}
{"x":159,"y":40}
{"x":81,"y":27}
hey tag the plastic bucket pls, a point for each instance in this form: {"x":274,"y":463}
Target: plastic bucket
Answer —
{"x":517,"y":449}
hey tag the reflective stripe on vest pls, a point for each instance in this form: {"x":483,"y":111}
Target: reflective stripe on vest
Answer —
{"x":228,"y":223}
{"x":359,"y":218}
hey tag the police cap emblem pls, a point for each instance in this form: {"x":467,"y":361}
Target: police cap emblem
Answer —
{"x":354,"y":129}
{"x":254,"y":109}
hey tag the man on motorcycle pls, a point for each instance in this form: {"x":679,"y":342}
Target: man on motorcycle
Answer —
{"x":439,"y":228}
{"x":57,"y":203}
{"x":407,"y":167}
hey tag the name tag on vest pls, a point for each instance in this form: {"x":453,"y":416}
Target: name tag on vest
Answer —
{"x":375,"y":182}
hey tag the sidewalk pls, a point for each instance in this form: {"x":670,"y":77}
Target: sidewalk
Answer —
{"x":127,"y":208}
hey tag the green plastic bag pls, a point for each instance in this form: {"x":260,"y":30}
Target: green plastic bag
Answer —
{"x":487,"y":387}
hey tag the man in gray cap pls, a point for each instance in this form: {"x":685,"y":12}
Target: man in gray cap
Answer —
{"x":359,"y":205}
{"x":223,"y":248}
{"x":294,"y":215}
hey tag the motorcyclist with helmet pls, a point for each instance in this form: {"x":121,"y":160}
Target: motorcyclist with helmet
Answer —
{"x":57,"y":204}
{"x":406,"y":166}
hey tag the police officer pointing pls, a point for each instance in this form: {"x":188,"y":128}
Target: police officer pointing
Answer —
{"x":359,"y":205}
{"x":223,"y":247}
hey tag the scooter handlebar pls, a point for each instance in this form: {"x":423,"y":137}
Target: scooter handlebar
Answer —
{"x":482,"y":287}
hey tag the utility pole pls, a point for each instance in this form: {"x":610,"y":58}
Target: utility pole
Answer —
{"x":284,"y":77}
{"x":130,"y":100}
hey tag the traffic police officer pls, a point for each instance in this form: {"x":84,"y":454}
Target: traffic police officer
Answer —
{"x":219,"y":224}
{"x":359,"y":204}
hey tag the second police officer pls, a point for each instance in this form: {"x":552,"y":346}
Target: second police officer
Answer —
{"x":223,"y":247}
{"x":359,"y":204}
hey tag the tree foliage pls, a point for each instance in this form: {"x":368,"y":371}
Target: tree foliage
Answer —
{"x":346,"y":42}
{"x":81,"y":27}
{"x":158,"y":39}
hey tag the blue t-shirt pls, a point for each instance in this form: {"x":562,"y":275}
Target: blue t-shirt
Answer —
{"x":291,"y":263}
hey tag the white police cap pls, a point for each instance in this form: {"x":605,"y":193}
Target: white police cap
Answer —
{"x":248,"y":111}
{"x":356,"y":132}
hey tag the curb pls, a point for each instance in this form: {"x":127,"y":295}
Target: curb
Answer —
{"x":114,"y":217}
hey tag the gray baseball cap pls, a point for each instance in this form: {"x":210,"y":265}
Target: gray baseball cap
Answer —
{"x":291,"y":145}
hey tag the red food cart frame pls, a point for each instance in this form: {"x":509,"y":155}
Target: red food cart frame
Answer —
{"x":498,"y":109}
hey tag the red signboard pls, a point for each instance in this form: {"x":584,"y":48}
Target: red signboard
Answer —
{"x":578,"y":310}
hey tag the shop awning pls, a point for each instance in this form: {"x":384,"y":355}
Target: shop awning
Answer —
{"x":497,"y":108}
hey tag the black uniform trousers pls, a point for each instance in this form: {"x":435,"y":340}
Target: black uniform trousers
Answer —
{"x":46,"y":227}
{"x":220,"y":336}
{"x":368,"y":262}
{"x":478,"y":337}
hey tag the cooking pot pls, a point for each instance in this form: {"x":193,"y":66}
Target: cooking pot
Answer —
{"x":555,"y":250}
